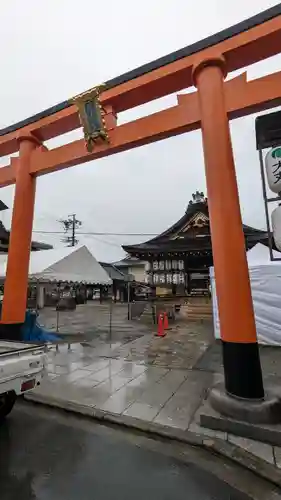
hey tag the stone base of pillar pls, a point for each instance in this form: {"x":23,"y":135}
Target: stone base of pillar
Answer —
{"x":265,"y":411}
{"x":11,"y":331}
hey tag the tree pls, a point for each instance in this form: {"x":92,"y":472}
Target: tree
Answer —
{"x":70,"y":226}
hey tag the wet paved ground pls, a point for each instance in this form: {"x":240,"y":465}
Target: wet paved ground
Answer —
{"x":45,"y":455}
{"x":143,"y":378}
{"x":93,"y":321}
{"x":132,"y":373}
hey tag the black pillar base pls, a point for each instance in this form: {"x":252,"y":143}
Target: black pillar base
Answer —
{"x":242,"y":370}
{"x":11,"y":331}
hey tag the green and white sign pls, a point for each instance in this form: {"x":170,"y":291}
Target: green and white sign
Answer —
{"x":273,"y":169}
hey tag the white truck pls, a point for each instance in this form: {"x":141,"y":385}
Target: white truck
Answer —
{"x":22,"y":367}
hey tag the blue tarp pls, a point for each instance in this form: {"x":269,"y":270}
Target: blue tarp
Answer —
{"x":32,"y":331}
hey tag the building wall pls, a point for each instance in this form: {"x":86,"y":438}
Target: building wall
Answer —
{"x":138,"y":272}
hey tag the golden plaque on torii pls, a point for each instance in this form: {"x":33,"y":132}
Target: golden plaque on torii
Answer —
{"x":91,"y":116}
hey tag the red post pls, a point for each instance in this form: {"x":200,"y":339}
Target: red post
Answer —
{"x":160,"y":326}
{"x":16,"y":283}
{"x":237,"y":322}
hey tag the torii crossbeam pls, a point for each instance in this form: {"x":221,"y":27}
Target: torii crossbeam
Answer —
{"x":204,"y":64}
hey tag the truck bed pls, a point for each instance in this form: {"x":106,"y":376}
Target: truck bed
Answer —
{"x":7,"y":347}
{"x":22,"y":366}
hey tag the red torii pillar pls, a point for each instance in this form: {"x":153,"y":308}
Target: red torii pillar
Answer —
{"x":15,"y":292}
{"x":243,"y":377}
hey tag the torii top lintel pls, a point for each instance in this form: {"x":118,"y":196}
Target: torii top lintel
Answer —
{"x":248,"y":42}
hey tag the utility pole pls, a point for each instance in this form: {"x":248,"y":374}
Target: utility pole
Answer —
{"x":70,"y":225}
{"x":73,"y":217}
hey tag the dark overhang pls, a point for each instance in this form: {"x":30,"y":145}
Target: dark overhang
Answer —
{"x":3,"y":206}
{"x":268,"y":130}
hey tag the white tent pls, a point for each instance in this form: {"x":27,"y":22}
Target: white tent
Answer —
{"x":68,"y":264}
{"x":265,"y":278}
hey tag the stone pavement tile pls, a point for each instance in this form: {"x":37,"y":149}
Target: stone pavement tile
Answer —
{"x":261,"y":450}
{"x":52,"y":376}
{"x":133,"y":389}
{"x":128,"y":393}
{"x":178,"y":419}
{"x":136,"y":387}
{"x":117,"y":365}
{"x":156,"y":395}
{"x":103,"y":350}
{"x":154,"y":374}
{"x":73,"y":376}
{"x":114,"y":383}
{"x":97,"y":365}
{"x":85,"y":382}
{"x":131,"y":370}
{"x":174,"y":379}
{"x":65,"y":392}
{"x":179,"y":410}
{"x":59,"y":370}
{"x":196,"y":382}
{"x":68,"y":365}
{"x":118,"y":402}
{"x":277,"y":456}
{"x":194,"y":427}
{"x":100,"y":393}
{"x":142,"y":410}
{"x":104,"y":374}
{"x":69,"y":357}
{"x":119,"y":398}
{"x":83,"y":362}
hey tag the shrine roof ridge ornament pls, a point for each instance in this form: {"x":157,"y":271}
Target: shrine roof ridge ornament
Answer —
{"x":205,"y":43}
{"x":197,"y":197}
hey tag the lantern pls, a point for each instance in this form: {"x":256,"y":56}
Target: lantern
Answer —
{"x":148,"y":266}
{"x":181,"y":278}
{"x":276,"y":226}
{"x":273,"y":169}
{"x":168,"y":265}
{"x":181,"y":265}
{"x":161,"y":265}
{"x":149,"y":279}
{"x":155,"y":265}
{"x":169,"y":278}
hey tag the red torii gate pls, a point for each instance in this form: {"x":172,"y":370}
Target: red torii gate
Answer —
{"x":205,"y":65}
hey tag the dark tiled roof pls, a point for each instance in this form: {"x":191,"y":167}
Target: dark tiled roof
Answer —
{"x":5,"y":237}
{"x":188,"y":242}
{"x":112,"y":272}
{"x":3,"y":206}
{"x":127,"y":262}
{"x":38,"y":245}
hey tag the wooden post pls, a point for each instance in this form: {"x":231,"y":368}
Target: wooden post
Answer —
{"x":15,"y":291}
{"x":242,"y":368}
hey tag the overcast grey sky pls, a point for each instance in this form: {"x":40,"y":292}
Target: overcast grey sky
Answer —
{"x":55,"y":49}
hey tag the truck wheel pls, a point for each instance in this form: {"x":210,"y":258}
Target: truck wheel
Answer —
{"x":7,"y":401}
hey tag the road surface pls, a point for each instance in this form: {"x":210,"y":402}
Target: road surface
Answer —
{"x":48,"y":455}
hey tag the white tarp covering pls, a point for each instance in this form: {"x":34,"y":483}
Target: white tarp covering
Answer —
{"x":265,"y":278}
{"x":71,"y":264}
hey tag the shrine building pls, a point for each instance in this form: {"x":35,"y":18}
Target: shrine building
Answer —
{"x":178,"y":260}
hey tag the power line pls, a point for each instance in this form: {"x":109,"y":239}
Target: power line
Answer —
{"x":97,"y":233}
{"x":106,"y":242}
